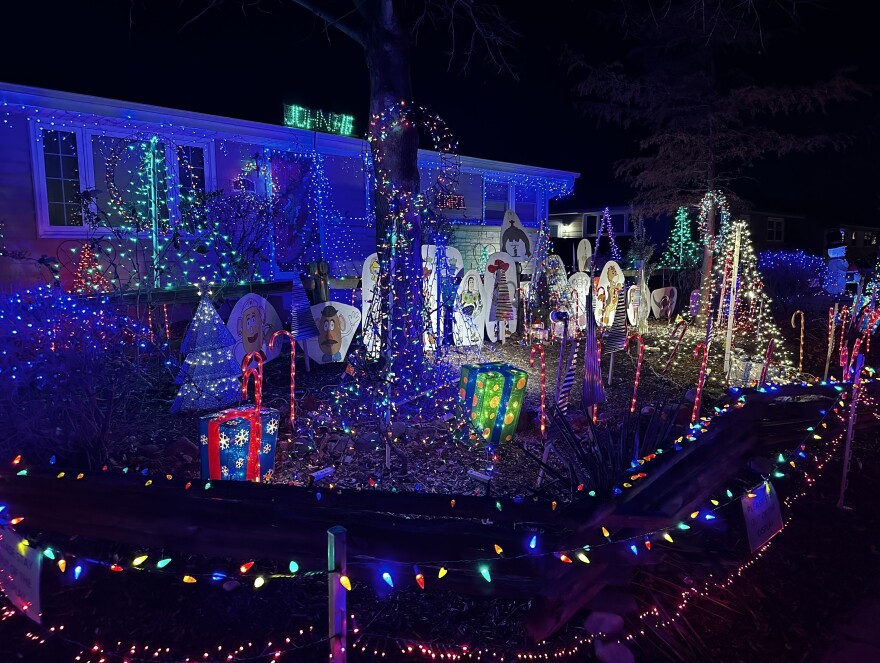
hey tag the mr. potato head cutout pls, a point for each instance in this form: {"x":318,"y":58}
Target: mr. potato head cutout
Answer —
{"x":337,"y":323}
{"x":252,"y":323}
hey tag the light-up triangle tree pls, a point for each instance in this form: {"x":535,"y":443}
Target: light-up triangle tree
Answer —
{"x":88,"y":278}
{"x":210,"y":376}
{"x":607,"y":227}
{"x":754,"y":324}
{"x":682,"y":250}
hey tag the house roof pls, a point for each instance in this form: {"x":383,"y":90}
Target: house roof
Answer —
{"x":71,"y":109}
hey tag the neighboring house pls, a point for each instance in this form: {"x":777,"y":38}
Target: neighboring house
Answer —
{"x":784,"y":231}
{"x":141,"y":165}
{"x":861,"y":243}
{"x":567,"y":228}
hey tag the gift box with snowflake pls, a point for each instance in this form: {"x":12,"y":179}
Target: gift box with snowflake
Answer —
{"x":230,"y":448}
{"x":491,"y":397}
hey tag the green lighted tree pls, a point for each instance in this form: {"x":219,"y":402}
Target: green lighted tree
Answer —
{"x":682,"y":251}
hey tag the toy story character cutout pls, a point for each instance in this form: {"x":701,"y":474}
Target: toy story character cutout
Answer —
{"x":469,"y":311}
{"x":337,"y":323}
{"x":252,"y":322}
{"x":514,"y":240}
{"x":607,"y":291}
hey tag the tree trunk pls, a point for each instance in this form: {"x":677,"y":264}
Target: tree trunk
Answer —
{"x":704,"y":311}
{"x":387,"y":49}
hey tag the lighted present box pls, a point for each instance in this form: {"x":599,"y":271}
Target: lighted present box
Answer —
{"x":231,"y":448}
{"x":491,"y":397}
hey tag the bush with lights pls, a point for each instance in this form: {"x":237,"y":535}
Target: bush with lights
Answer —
{"x":75,"y":370}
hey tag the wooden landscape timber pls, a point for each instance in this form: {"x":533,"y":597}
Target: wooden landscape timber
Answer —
{"x":397,"y":530}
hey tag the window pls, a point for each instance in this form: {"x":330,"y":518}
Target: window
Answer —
{"x":496,"y":199}
{"x":61,"y":162}
{"x":870,"y":238}
{"x":775,"y":229}
{"x":151,"y":177}
{"x":526,"y":205}
{"x":140,"y":180}
{"x":191,"y":171}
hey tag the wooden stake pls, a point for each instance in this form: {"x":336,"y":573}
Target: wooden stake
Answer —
{"x":832,"y":317}
{"x":731,"y":307}
{"x":336,"y":608}
{"x":850,"y":426}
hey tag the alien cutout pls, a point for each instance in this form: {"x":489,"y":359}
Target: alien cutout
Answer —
{"x":252,"y":322}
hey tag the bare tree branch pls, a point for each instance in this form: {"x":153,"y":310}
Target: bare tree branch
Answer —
{"x":341,"y":23}
{"x":479,"y":25}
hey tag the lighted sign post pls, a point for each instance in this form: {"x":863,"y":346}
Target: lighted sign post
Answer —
{"x":20,"y":573}
{"x":762,"y":514}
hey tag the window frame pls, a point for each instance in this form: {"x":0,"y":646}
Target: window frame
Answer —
{"x":775,"y":229}
{"x":86,"y":163}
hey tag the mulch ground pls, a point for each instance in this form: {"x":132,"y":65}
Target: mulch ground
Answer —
{"x":784,"y":608}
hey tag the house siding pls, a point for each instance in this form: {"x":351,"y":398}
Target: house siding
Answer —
{"x":347,"y":232}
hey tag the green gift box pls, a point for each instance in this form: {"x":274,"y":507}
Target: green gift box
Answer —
{"x":491,"y":397}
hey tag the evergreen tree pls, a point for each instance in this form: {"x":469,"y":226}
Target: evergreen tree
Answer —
{"x":210,"y":376}
{"x":682,"y":251}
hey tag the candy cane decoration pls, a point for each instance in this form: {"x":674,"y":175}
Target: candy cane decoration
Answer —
{"x":793,"y":316}
{"x":684,"y":326}
{"x":875,"y":315}
{"x":596,"y":405}
{"x":167,"y":326}
{"x":852,"y":359}
{"x":150,"y":323}
{"x":767,"y":358}
{"x":701,"y":380}
{"x":632,"y":407}
{"x":253,"y":459}
{"x":540,"y":348}
{"x":844,"y":310}
{"x":277,"y":335}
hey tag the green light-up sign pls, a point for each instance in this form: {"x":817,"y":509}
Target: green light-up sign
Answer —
{"x":316,"y":120}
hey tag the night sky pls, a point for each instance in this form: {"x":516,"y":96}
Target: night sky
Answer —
{"x":246,"y":65}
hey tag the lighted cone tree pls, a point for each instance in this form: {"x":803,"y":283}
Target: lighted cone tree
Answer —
{"x":88,"y":278}
{"x":682,"y":250}
{"x":607,"y":227}
{"x":754,"y":326}
{"x":210,"y":375}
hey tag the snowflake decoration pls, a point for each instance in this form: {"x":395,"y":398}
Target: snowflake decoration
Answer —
{"x":242,"y":437}
{"x":203,"y":439}
{"x":267,"y":448}
{"x":267,"y":477}
{"x":225,"y":472}
{"x":224,"y":441}
{"x":239,"y":463}
{"x":272,"y":427}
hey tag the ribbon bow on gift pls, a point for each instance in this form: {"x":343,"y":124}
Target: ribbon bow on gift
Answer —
{"x":252,"y":472}
{"x":498,"y":264}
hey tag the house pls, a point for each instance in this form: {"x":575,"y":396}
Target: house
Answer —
{"x":164,"y":197}
{"x":567,"y":228}
{"x":861,"y":243}
{"x":784,"y":231}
